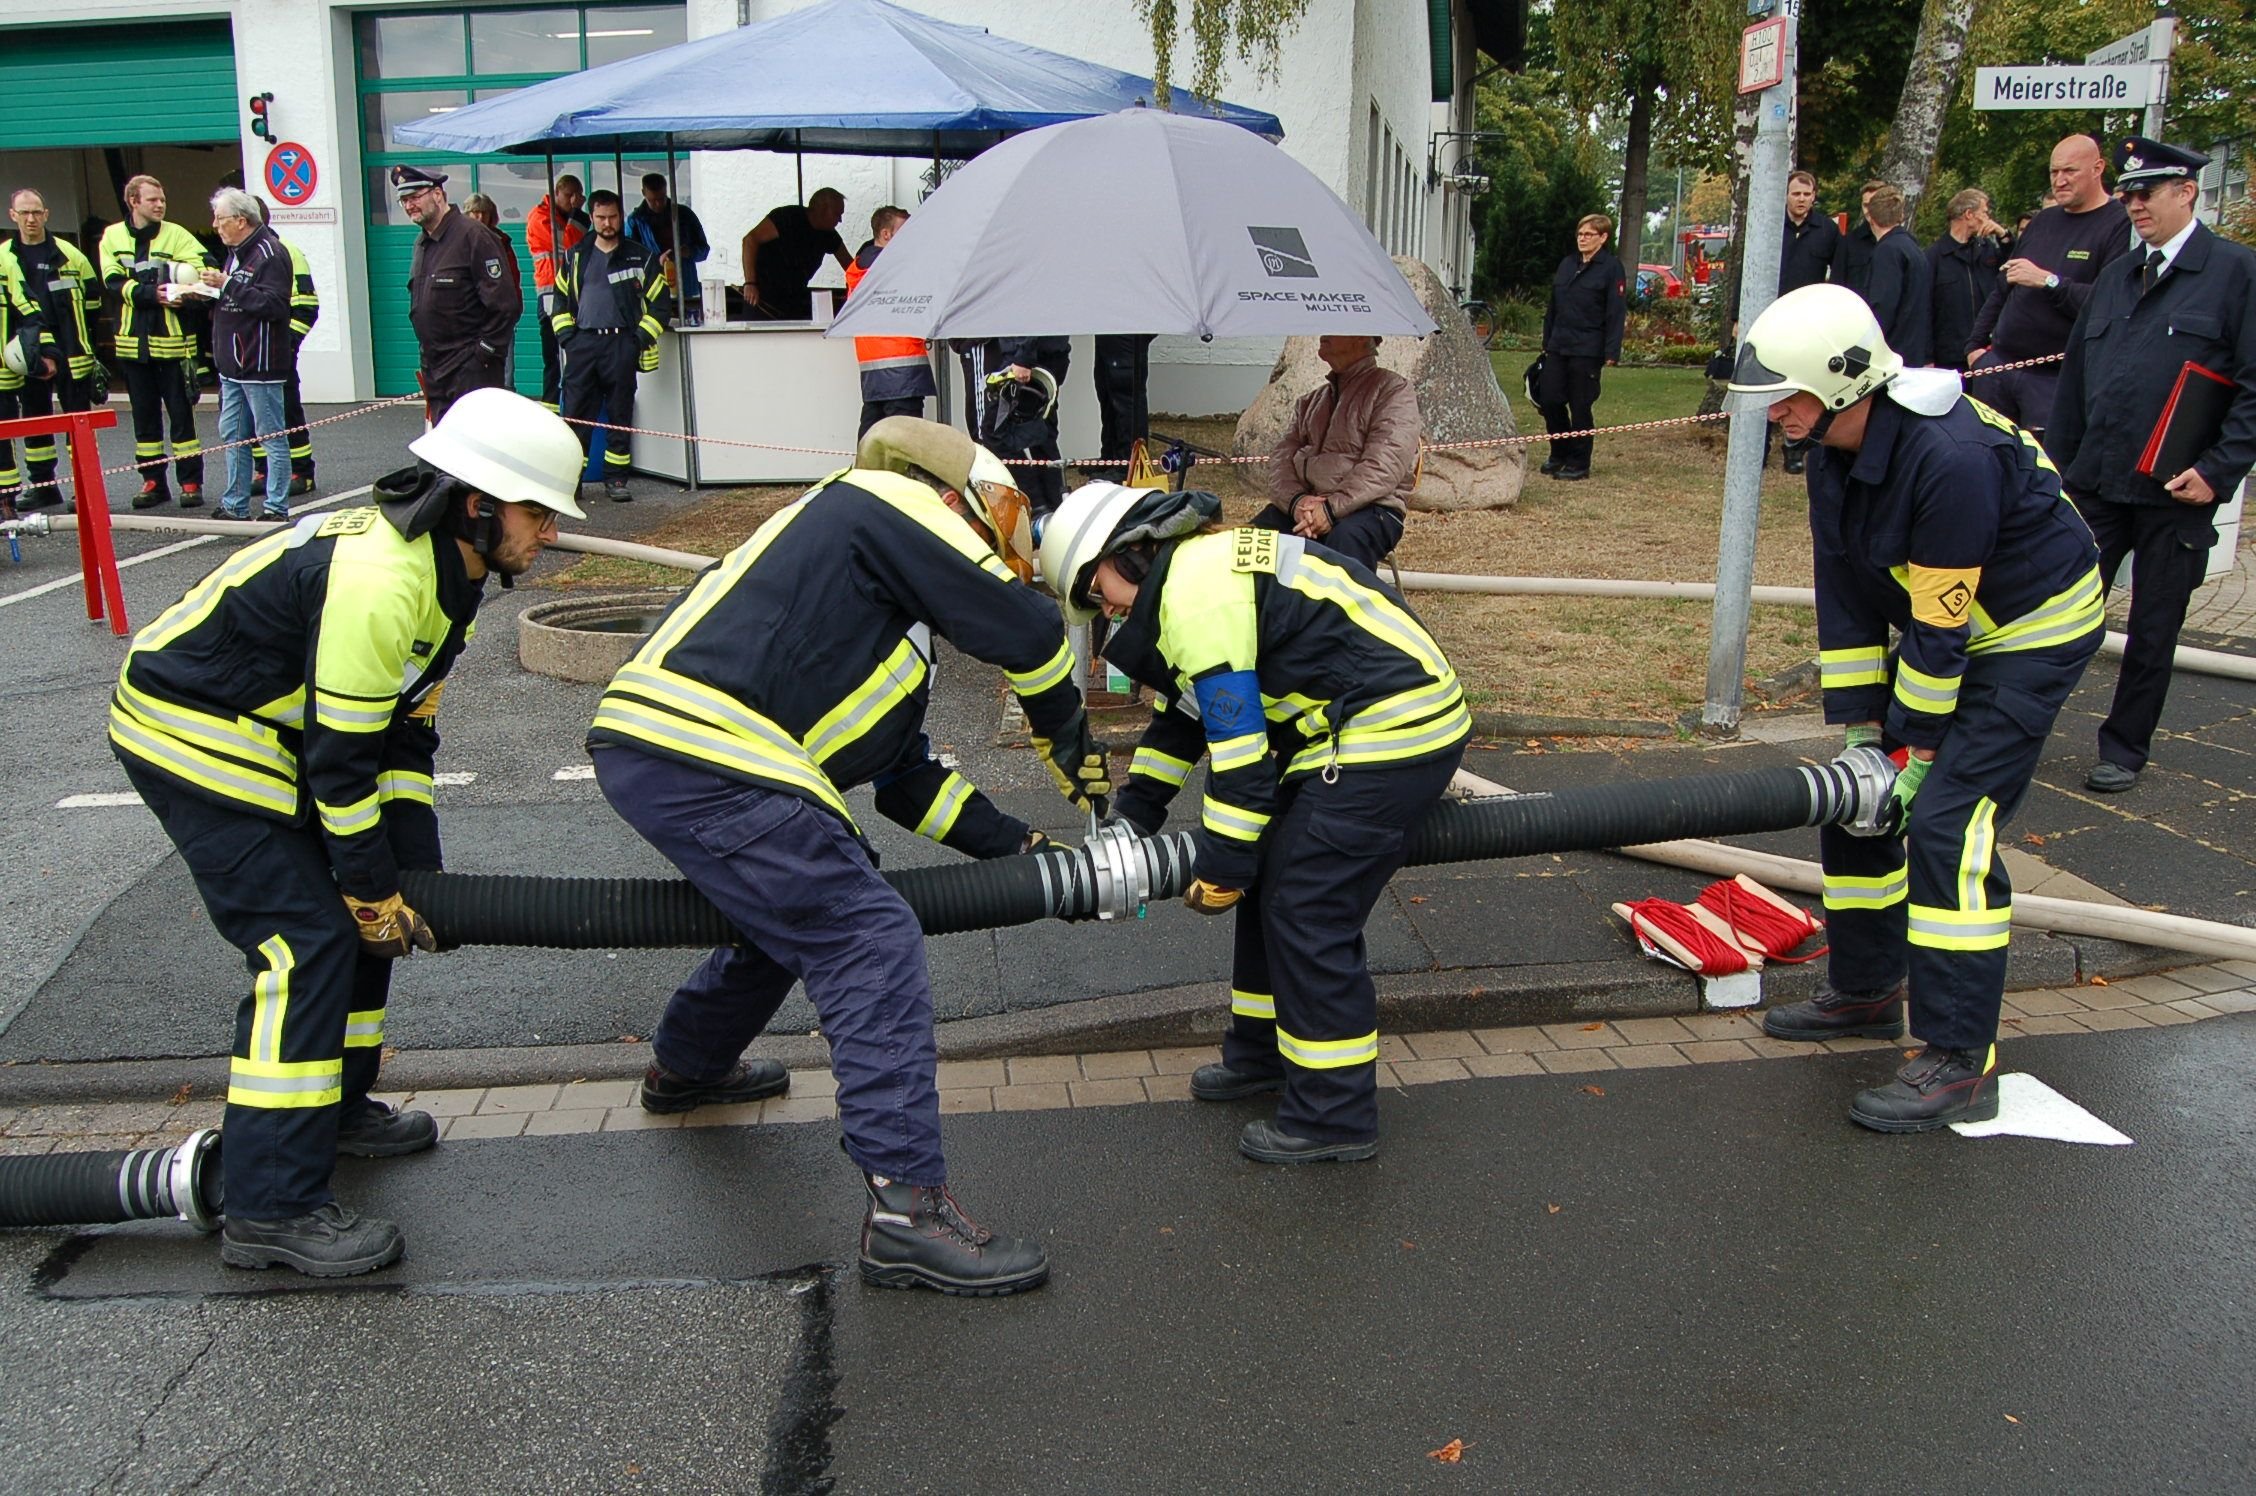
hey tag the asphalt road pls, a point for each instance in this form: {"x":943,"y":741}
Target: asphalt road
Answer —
{"x":1679,"y":1280}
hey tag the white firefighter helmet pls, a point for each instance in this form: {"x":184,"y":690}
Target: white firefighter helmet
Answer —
{"x":1099,"y":519}
{"x":508,"y":447}
{"x":1820,"y":339}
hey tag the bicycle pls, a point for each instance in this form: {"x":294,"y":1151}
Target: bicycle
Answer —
{"x":1482,"y":319}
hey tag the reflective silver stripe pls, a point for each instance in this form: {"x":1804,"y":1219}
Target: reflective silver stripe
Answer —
{"x":742,"y":719}
{"x":893,"y":683}
{"x":1913,"y":692}
{"x":280,"y":797}
{"x":1253,"y":1004}
{"x":1981,"y":924}
{"x":940,"y":817}
{"x":353,"y":819}
{"x":1407,"y":706}
{"x":1043,"y":676}
{"x":1228,"y":820}
{"x":331,"y":711}
{"x":1328,"y":1054}
{"x":1164,"y":767}
{"x":239,"y":1079}
{"x":1240,"y":752}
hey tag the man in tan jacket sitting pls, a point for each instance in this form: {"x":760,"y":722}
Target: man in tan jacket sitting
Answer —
{"x":1343,"y":473}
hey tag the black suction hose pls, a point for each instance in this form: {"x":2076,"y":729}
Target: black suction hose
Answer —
{"x":1065,"y":883}
{"x":134,"y":1184}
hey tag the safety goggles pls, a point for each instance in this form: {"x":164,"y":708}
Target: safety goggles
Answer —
{"x":1009,"y":517}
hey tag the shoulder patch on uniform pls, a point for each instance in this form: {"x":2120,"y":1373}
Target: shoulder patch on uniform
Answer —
{"x":347,"y":522}
{"x":1941,"y":596}
{"x":493,"y":270}
{"x":1254,"y":550}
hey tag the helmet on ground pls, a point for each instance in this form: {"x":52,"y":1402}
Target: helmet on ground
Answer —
{"x":508,"y":447}
{"x":900,"y":443}
{"x":1101,"y":519}
{"x":1822,"y":340}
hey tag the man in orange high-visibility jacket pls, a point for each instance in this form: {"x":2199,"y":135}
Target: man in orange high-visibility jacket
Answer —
{"x":896,"y":372}
{"x":553,"y":230}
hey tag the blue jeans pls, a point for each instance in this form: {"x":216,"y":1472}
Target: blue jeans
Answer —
{"x":247,"y":410}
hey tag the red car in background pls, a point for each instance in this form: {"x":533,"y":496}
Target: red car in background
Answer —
{"x":1658,"y":281}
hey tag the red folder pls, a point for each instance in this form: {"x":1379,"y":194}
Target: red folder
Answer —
{"x":2191,"y":420}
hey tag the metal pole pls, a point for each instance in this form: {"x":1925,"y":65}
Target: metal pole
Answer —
{"x":799,"y":162}
{"x":1767,"y":166}
{"x":682,"y":341}
{"x":2164,"y":42}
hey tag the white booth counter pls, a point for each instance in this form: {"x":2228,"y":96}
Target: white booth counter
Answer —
{"x":787,"y":385}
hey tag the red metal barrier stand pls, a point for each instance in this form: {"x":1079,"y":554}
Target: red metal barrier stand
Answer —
{"x":97,"y":557}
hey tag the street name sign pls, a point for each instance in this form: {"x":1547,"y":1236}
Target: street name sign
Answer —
{"x":2126,"y":86}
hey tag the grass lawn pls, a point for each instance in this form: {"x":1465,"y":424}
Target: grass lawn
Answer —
{"x":1651,"y":510}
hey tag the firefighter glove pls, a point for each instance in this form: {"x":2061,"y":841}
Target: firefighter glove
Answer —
{"x":1908,"y":780}
{"x":1078,"y":765}
{"x":1206,"y":898}
{"x":388,"y":928}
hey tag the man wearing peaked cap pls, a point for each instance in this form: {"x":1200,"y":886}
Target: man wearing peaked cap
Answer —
{"x":461,"y":295}
{"x":2182,"y":295}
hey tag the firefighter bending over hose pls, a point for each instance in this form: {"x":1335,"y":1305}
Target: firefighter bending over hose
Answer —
{"x":280,"y":720}
{"x":796,"y":669}
{"x":1936,"y":518}
{"x":1331,"y":722}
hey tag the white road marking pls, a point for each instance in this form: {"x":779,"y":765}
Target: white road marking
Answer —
{"x":947,"y":760}
{"x":75,"y":579}
{"x":575,"y":771}
{"x":81,"y":802}
{"x":2028,"y":1108}
{"x":458,"y":777}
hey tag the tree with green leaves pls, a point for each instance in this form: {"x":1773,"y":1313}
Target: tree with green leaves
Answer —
{"x":1546,"y":171}
{"x":1252,"y":30}
{"x":1937,"y":58}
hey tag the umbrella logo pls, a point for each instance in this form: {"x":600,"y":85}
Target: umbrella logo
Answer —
{"x":1284,"y":254}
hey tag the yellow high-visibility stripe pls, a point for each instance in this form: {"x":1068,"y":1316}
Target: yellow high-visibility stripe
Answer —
{"x":1056,"y":670}
{"x":1975,"y":854}
{"x":1865,"y":665}
{"x":845,"y":724}
{"x":1253,"y":1004}
{"x":2068,"y":614}
{"x":1164,"y":767}
{"x":1960,"y":929}
{"x":288,"y":711}
{"x":193,"y":609}
{"x":352,"y":713}
{"x":285,"y":1086}
{"x":405,"y":784}
{"x":1225,"y":819}
{"x":1387,"y":745}
{"x":1329,"y":1054}
{"x":1857,"y":891}
{"x":909,"y":497}
{"x":940,"y":818}
{"x":1936,"y":695}
{"x":270,"y":999}
{"x":237,"y":737}
{"x":1371,"y":611}
{"x":672,"y":711}
{"x":717,"y":582}
{"x":1241,"y":752}
{"x":365,"y":1030}
{"x":364,"y":814}
{"x":220,"y":776}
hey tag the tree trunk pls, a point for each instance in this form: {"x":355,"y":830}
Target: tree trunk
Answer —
{"x":1629,"y":238}
{"x":1937,"y":58}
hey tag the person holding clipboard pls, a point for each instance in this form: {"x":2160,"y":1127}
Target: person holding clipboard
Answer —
{"x":2155,"y":423}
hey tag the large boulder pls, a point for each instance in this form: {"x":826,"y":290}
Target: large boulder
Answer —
{"x":1457,"y":397}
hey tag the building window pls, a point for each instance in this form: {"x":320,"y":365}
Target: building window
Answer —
{"x":1371,"y":219}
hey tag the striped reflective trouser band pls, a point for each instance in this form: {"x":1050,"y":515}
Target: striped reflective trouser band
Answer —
{"x":181,"y":744}
{"x":404,"y":784}
{"x":300,"y":329}
{"x":1917,"y":691}
{"x":686,"y":719}
{"x":365,"y":1030}
{"x":1253,"y":1004}
{"x":260,"y":1077}
{"x":361,"y":816}
{"x":1053,"y":671}
{"x":39,"y":450}
{"x":1164,"y":767}
{"x":615,"y":453}
{"x":1240,"y":752}
{"x":1329,"y":1054}
{"x":1851,"y":891}
{"x":146,"y":450}
{"x":2069,"y":614}
{"x":10,"y":474}
{"x":1976,"y":853}
{"x":1866,"y":665}
{"x":1238,"y":824}
{"x":1961,"y":929}
{"x":940,"y":817}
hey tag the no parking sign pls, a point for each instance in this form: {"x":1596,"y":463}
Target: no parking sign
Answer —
{"x":290,"y":173}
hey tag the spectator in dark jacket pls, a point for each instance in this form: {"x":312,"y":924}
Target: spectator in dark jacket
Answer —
{"x":251,"y":346}
{"x":1962,"y":270}
{"x":1900,"y":295}
{"x":1812,"y":238}
{"x":1582,"y":333}
{"x":1852,"y":261}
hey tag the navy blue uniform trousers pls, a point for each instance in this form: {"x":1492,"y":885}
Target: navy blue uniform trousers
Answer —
{"x":315,"y":1011}
{"x":801,"y":889}
{"x":1302,"y":1003}
{"x":2169,"y":553}
{"x":1938,"y":900}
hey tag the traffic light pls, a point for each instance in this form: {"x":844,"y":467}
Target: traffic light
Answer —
{"x":262,"y":121}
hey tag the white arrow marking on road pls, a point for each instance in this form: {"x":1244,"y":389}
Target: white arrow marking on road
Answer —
{"x":576,"y":771}
{"x":458,"y":777}
{"x":81,"y":802}
{"x":75,"y":579}
{"x":2028,"y":1108}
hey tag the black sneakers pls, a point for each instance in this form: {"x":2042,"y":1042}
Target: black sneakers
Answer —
{"x":1221,"y":1083}
{"x":916,"y":1236}
{"x":1833,"y":1014}
{"x":328,"y":1242}
{"x":379,"y":1130}
{"x":1267,"y":1143}
{"x":664,"y":1091}
{"x":1934,"y":1088}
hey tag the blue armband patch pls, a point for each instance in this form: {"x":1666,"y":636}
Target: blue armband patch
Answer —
{"x":1229,"y":704}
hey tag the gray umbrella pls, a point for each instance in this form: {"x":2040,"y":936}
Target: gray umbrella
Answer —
{"x":1140,"y":221}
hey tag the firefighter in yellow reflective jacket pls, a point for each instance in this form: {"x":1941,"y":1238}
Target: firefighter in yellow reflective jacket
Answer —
{"x":61,"y":284}
{"x":1936,"y":518}
{"x":1330,"y":721}
{"x":27,"y":351}
{"x":156,"y":338}
{"x":280,"y":721}
{"x":793,"y":671}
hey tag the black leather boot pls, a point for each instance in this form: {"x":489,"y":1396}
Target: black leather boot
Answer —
{"x":750,"y":1080}
{"x":1933,"y":1089}
{"x":380,"y":1131}
{"x":916,"y":1236}
{"x":1834,"y":1014}
{"x":1267,"y":1143}
{"x":327,"y":1242}
{"x":1221,"y":1083}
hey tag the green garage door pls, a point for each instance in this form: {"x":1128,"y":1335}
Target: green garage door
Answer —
{"x":151,"y":83}
{"x":416,"y":64}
